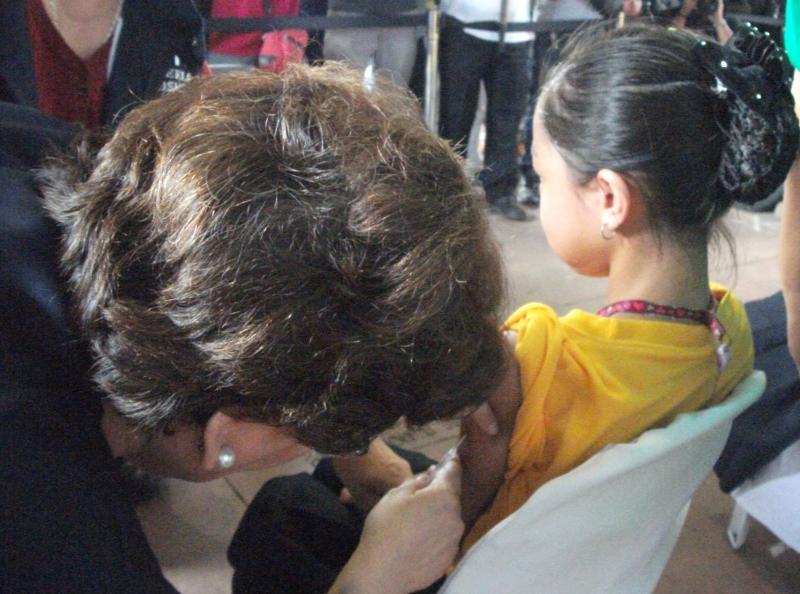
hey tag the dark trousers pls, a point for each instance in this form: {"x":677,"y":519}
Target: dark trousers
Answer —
{"x":772,"y":424}
{"x":316,"y":37}
{"x":296,"y":536}
{"x":465,"y":61}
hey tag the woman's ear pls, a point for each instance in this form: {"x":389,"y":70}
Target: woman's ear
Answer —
{"x":216,"y":436}
{"x":230,"y":443}
{"x":617,"y":201}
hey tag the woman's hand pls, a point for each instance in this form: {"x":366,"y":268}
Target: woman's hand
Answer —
{"x":410,"y":537}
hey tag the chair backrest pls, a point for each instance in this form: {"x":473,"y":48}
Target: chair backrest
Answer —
{"x":609,"y":525}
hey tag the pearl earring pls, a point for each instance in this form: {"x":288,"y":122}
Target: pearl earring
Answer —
{"x":606,"y":234}
{"x":226,"y":458}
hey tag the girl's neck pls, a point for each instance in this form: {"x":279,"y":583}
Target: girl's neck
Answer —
{"x":661,"y":272}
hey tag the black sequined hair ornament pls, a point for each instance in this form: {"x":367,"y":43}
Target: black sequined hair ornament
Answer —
{"x":752,"y":76}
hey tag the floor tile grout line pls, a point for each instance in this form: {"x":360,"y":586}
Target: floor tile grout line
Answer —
{"x":237,"y":492}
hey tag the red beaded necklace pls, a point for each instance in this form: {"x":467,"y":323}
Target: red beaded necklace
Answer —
{"x":707,"y":317}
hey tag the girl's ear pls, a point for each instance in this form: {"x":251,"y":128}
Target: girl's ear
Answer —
{"x":619,"y":199}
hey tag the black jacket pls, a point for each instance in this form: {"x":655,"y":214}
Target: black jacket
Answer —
{"x":162,"y":43}
{"x":66,"y":521}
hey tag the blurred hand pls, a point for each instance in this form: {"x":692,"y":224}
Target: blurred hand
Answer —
{"x":367,"y":478}
{"x":410,"y":537}
{"x":796,"y":93}
{"x":793,"y":325}
{"x":721,"y":27}
{"x":718,"y":15}
{"x":789,"y":255}
{"x":688,"y":7}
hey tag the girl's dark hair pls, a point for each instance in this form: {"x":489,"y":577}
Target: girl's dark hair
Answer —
{"x":295,"y":249}
{"x":643,"y":101}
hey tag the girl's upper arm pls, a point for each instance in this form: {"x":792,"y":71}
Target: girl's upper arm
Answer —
{"x":484,"y":456}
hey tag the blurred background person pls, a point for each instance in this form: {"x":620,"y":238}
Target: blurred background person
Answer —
{"x":391,"y":50}
{"x":500,"y":61}
{"x":272,"y":49}
{"x":90,"y":61}
{"x":612,"y":8}
{"x":704,"y":15}
{"x":316,"y":37}
{"x":545,"y":54}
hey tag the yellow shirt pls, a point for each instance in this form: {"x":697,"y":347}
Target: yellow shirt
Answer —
{"x":588,"y":381}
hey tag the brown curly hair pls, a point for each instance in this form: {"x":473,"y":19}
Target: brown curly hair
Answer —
{"x":295,"y":249}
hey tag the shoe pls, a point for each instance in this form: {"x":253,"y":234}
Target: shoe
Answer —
{"x":506,"y":206}
{"x":529,"y":195}
{"x":529,"y":178}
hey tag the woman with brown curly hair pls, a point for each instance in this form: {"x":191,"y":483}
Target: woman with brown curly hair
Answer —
{"x":250,"y":266}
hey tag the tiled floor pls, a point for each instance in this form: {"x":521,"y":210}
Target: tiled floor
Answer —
{"x":190,"y":525}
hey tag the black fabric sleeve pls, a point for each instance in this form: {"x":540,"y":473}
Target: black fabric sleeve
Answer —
{"x":66,"y":524}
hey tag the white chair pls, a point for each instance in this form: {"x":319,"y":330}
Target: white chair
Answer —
{"x":609,"y":525}
{"x":771,"y":496}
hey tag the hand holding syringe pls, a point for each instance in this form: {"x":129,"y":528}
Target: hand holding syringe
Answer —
{"x":411,"y":536}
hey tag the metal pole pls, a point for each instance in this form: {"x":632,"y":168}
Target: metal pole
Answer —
{"x":503,"y":25}
{"x":431,"y":109}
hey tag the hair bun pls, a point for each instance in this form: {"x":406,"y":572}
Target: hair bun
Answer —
{"x":753,"y":77}
{"x":762,"y":50}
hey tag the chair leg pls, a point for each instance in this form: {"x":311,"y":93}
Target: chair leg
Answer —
{"x":738,"y":527}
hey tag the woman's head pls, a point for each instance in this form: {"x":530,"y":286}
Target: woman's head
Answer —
{"x":296,"y":250}
{"x":650,"y":104}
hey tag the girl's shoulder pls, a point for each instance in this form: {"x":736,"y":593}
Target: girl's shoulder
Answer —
{"x":539,"y":337}
{"x":730,"y":309}
{"x":725,"y":297}
{"x":530,"y":313}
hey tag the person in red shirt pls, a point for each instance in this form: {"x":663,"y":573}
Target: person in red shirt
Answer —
{"x":88,"y":61}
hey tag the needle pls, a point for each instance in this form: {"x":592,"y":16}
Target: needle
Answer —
{"x":449,"y":455}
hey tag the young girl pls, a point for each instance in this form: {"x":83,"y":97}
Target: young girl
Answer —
{"x":644,"y":138}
